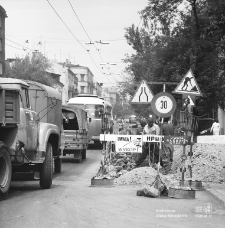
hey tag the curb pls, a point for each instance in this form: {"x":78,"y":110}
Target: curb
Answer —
{"x":217,"y":195}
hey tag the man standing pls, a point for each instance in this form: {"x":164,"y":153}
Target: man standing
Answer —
{"x":150,"y":129}
{"x":167,"y":156}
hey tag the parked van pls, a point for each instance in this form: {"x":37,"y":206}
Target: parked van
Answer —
{"x":74,"y":136}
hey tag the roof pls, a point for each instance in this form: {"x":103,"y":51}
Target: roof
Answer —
{"x":56,"y":69}
{"x":3,"y":12}
{"x":87,"y":99}
{"x":12,"y":81}
{"x":87,"y":95}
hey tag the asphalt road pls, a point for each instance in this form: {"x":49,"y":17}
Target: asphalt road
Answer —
{"x":71,"y":202}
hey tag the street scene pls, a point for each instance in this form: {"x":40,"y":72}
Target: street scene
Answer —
{"x":112,"y":114}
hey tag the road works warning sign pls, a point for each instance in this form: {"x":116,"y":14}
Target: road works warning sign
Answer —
{"x":129,"y":143}
{"x":188,"y":85}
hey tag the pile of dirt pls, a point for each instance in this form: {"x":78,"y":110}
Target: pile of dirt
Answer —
{"x":208,"y":162}
{"x":144,"y":176}
{"x":208,"y":165}
{"x":120,"y":163}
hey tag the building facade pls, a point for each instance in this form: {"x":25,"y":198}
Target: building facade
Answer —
{"x":97,"y":88}
{"x":67,"y":78}
{"x":114,"y":96}
{"x":2,"y":41}
{"x":85,"y":79}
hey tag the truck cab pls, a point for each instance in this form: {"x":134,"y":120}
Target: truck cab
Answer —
{"x":27,"y":144}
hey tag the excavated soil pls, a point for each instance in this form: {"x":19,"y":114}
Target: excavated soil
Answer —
{"x":208,"y":166}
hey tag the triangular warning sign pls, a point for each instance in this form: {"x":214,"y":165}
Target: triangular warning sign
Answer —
{"x":143,"y":94}
{"x":188,"y":85}
{"x":191,"y":101}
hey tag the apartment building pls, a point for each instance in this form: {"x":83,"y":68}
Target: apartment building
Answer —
{"x":85,"y":78}
{"x":62,"y":74}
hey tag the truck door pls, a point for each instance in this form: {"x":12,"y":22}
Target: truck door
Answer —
{"x":31,"y":122}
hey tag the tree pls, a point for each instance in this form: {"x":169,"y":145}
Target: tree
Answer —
{"x":30,"y":69}
{"x":178,"y":35}
{"x":122,"y":110}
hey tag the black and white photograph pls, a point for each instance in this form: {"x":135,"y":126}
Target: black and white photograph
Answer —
{"x":112,"y":113}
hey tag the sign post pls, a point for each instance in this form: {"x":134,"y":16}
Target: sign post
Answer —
{"x":189,"y":89}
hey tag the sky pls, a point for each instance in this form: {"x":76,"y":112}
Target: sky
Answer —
{"x":61,"y":29}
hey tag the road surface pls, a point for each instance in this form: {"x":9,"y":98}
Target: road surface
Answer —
{"x":71,"y":203}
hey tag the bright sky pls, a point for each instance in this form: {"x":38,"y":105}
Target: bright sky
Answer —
{"x":105,"y":20}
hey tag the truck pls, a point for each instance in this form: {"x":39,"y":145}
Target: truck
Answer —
{"x":30,"y":122}
{"x":74,"y":132}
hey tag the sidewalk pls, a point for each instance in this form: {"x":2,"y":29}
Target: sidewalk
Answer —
{"x":217,"y":191}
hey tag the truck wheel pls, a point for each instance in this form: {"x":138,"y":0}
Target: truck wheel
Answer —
{"x":58,"y":164}
{"x":5,"y":171}
{"x":46,"y":172}
{"x":84,"y":153}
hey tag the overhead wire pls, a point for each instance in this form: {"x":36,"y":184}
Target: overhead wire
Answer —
{"x":63,"y":40}
{"x":74,"y":36}
{"x":66,"y":25}
{"x":87,"y":36}
{"x":20,"y":45}
{"x":14,"y":47}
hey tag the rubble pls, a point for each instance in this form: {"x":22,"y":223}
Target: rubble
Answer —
{"x":208,"y":165}
{"x":207,"y":162}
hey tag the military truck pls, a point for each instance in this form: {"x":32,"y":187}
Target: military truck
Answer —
{"x":74,"y":134}
{"x":30,"y":121}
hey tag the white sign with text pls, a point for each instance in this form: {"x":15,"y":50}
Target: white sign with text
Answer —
{"x":129,"y":143}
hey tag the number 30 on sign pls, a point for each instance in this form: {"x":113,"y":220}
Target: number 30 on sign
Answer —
{"x":163,"y":104}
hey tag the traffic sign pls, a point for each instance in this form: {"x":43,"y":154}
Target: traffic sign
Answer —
{"x":163,"y":104}
{"x":143,"y":94}
{"x":131,"y":143}
{"x":188,"y":85}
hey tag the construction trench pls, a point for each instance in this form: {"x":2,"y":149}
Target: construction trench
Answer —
{"x":178,"y":179}
{"x":208,"y":166}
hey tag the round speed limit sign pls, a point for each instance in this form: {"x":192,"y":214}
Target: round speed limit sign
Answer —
{"x":163,"y":104}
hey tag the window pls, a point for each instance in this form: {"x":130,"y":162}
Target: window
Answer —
{"x":0,"y":68}
{"x":82,"y":89}
{"x":0,"y":21}
{"x":82,"y":77}
{"x":25,"y":98}
{"x":0,"y":44}
{"x":95,"y":111}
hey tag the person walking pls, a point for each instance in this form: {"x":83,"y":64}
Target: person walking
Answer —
{"x":150,"y":129}
{"x":215,"y":129}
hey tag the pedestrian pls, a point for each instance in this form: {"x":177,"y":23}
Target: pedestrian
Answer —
{"x":140,"y":128}
{"x":120,"y":125}
{"x":168,"y":130}
{"x":150,"y":129}
{"x":215,"y":129}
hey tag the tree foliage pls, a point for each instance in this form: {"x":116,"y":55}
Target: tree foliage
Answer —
{"x":30,"y":69}
{"x":178,"y":35}
{"x":122,"y":109}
